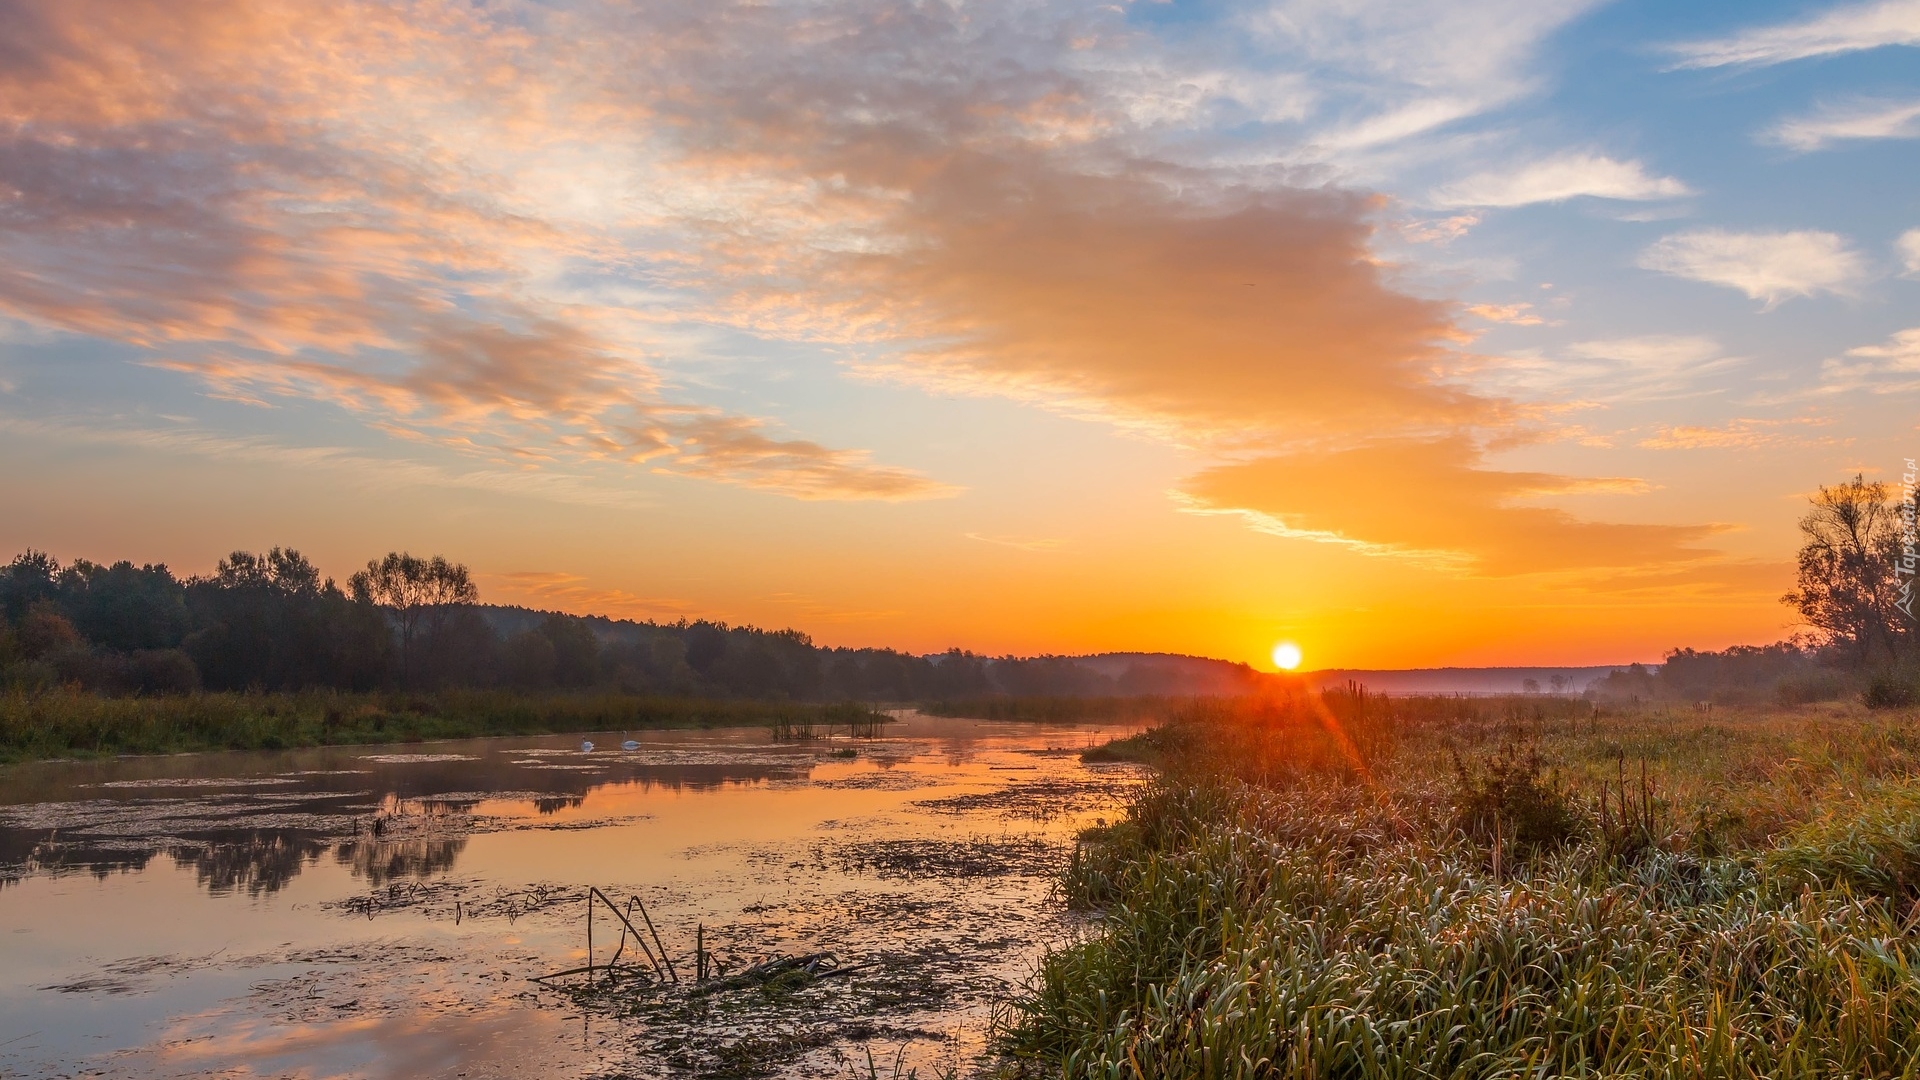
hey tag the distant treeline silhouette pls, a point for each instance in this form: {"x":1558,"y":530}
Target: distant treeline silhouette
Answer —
{"x":271,"y":622}
{"x":1854,"y":594}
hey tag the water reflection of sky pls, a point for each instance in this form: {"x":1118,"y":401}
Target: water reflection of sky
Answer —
{"x":178,"y":915}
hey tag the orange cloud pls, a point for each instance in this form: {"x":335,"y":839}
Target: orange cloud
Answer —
{"x":1035,"y":544}
{"x":572,"y":593}
{"x":733,"y":449}
{"x":1705,"y":581}
{"x":1516,"y":314}
{"x":1431,"y":499}
{"x":964,"y":245}
{"x":1255,"y":317}
{"x":1742,"y":434}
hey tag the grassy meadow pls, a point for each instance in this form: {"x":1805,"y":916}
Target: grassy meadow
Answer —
{"x":78,"y":723}
{"x":1357,"y":886}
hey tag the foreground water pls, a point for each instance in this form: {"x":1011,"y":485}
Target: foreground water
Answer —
{"x":379,"y":912}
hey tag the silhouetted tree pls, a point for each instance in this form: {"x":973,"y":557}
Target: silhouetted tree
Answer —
{"x":1847,"y":586}
{"x":576,"y":651}
{"x":419,"y":593}
{"x":527,"y":660}
{"x":706,"y":643}
{"x":456,"y":647}
{"x":270,"y":621}
{"x":32,"y":577}
{"x":124,"y":607}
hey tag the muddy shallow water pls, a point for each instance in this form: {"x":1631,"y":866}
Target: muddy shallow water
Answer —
{"x":380,"y":911}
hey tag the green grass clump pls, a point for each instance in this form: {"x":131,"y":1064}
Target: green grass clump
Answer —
{"x":64,"y":723}
{"x":1308,"y":890}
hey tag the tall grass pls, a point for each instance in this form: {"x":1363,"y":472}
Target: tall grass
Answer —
{"x":1310,"y":889}
{"x":71,"y":723}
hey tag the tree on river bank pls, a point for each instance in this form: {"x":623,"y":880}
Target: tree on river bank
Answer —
{"x":1857,"y":636}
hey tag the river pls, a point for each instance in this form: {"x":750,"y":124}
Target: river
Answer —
{"x":383,"y":911}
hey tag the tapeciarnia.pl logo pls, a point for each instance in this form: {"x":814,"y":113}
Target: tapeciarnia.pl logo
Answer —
{"x":1903,"y":566}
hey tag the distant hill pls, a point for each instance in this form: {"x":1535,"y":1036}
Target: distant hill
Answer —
{"x":1116,"y":673}
{"x":1172,"y":674}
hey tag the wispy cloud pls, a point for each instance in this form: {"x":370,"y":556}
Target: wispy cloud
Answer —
{"x":574,"y":593}
{"x":535,"y":426}
{"x":1711,"y":579}
{"x":1521,"y":314}
{"x":1864,"y":119}
{"x":1841,"y":29}
{"x":361,"y":469}
{"x":735,"y":450}
{"x":1436,"y":501}
{"x":1768,"y":266}
{"x":1559,"y":178}
{"x":1439,"y":230}
{"x":1404,"y":68}
{"x":1909,"y":248}
{"x":1892,"y":365}
{"x":1743,"y":434}
{"x":1613,"y":370}
{"x":1033,"y":543}
{"x":313,"y":200}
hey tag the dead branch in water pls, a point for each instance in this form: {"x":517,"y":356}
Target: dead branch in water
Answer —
{"x":627,"y":922}
{"x":811,"y":967}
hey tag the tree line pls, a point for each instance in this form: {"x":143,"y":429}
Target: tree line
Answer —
{"x":270,"y":621}
{"x":1853,"y":593}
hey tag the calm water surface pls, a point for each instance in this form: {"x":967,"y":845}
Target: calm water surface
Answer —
{"x":379,"y":911}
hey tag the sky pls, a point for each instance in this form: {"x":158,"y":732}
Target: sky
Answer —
{"x":1418,"y":333}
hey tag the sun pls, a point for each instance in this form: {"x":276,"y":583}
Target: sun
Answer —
{"x":1286,"y":656}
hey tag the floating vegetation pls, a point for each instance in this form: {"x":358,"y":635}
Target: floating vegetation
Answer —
{"x":1037,"y":800}
{"x":729,"y":1018}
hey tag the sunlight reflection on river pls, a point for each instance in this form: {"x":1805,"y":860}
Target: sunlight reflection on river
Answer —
{"x":243,"y":915}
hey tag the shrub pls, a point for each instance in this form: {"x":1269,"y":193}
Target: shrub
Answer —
{"x":1890,"y":690}
{"x":1809,"y":688}
{"x":1514,"y":799}
{"x":162,"y":671}
{"x":45,"y":633}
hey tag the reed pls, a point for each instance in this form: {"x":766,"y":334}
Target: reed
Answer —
{"x":1056,"y":710}
{"x":69,"y":723}
{"x":805,"y":723}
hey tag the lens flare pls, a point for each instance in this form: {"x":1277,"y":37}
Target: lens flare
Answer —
{"x":1286,"y":656}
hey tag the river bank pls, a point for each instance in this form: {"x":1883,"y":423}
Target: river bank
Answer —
{"x":80,"y":724}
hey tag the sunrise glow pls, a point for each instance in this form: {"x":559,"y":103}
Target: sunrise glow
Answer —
{"x":841,"y":450}
{"x":662,"y":318}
